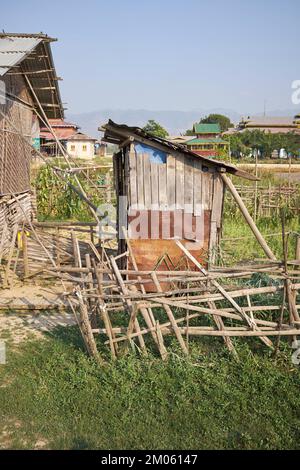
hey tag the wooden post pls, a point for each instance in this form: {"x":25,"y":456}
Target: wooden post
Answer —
{"x":25,"y":253}
{"x":248,"y":217}
{"x":256,"y":183}
{"x":108,"y":187}
{"x":297,"y":255}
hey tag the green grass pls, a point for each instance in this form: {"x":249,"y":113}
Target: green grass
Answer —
{"x":54,"y":393}
{"x":247,"y":248}
{"x":235,"y":227}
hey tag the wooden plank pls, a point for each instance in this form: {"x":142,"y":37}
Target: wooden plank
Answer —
{"x":147,"y":181}
{"x":217,"y":201}
{"x":132,"y":178}
{"x":171,"y":181}
{"x":140,"y":180}
{"x":188,"y":185}
{"x":179,"y":193}
{"x":154,"y":185}
{"x":207,"y":180}
{"x":213,"y":241}
{"x":197,"y":197}
{"x":162,"y":187}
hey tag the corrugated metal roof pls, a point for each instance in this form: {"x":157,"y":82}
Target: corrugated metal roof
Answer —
{"x":32,"y":55}
{"x":201,"y":128}
{"x":119,"y":133}
{"x":14,"y":49}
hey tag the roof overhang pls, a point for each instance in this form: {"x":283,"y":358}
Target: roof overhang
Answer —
{"x":122,"y":135}
{"x":30,"y":55}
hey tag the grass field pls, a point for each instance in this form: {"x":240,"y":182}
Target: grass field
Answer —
{"x":53,"y":396}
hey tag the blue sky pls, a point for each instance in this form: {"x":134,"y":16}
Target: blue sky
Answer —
{"x":168,"y":55}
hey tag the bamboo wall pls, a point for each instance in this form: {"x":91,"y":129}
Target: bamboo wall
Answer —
{"x":15,"y":154}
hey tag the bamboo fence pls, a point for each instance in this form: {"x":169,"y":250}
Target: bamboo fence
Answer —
{"x":267,"y":201}
{"x":115,"y":309}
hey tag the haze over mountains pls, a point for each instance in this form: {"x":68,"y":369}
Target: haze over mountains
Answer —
{"x":176,"y":122}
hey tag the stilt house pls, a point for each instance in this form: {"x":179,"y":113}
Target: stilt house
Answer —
{"x":28,"y":83}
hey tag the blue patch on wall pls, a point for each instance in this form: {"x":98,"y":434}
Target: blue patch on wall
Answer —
{"x":155,"y":156}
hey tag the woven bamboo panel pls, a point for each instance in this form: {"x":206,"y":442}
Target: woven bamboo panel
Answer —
{"x":13,"y":213}
{"x":15,"y":154}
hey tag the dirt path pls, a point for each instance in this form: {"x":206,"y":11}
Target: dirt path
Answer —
{"x":18,"y":328}
{"x":18,"y":319}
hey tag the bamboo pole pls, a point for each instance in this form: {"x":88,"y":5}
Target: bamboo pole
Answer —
{"x":104,"y":315}
{"x":85,"y":325}
{"x":25,"y":253}
{"x":131,"y":307}
{"x":10,"y":255}
{"x":220,"y":325}
{"x":224,"y":293}
{"x":248,"y":217}
{"x":147,"y":313}
{"x":170,"y":315}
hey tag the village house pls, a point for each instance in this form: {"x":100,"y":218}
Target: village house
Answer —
{"x":269,"y":124}
{"x":30,"y":94}
{"x":80,"y":145}
{"x":207,"y":140}
{"x":62,"y":130}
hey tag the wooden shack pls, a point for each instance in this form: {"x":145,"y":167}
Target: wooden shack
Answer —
{"x":169,"y":193}
{"x":28,"y":91}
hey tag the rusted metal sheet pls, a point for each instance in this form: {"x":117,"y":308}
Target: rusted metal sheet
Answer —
{"x":162,"y":252}
{"x":164,"y":255}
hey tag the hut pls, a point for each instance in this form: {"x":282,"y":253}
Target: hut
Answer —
{"x":28,"y":89}
{"x":167,"y":192}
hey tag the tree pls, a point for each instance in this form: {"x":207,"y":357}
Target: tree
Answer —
{"x":223,"y":121}
{"x":291,"y":143}
{"x":237,"y":146}
{"x":189,"y":132}
{"x":155,"y":129}
{"x":245,"y":142}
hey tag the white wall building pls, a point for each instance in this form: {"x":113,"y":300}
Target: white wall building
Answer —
{"x":81,"y":146}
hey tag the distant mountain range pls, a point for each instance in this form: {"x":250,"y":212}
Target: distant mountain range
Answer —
{"x":176,"y":122}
